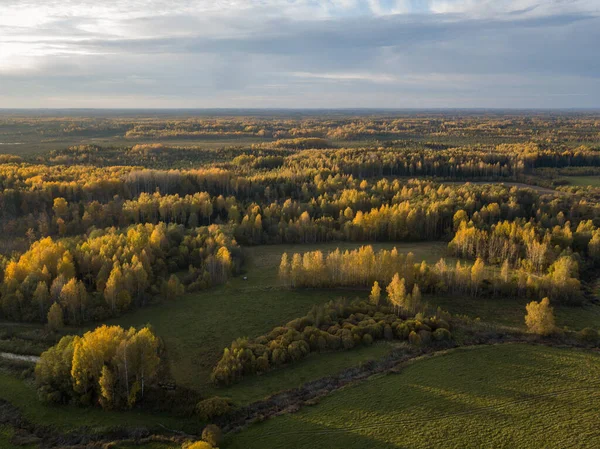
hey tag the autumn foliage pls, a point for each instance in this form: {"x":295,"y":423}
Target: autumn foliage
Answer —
{"x":109,"y":366}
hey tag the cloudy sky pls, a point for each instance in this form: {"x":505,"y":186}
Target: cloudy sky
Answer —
{"x":300,"y":53}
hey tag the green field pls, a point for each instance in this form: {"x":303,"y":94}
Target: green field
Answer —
{"x":584,"y":181}
{"x":509,"y":396}
{"x":313,"y":367}
{"x":68,"y":418}
{"x":197,"y":327}
{"x":511,"y":311}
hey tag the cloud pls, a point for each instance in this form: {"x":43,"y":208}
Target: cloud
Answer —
{"x":303,"y":53}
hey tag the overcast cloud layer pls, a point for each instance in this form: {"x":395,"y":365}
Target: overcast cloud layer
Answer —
{"x":300,"y":53}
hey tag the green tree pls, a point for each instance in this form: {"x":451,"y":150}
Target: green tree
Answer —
{"x":55,"y":317}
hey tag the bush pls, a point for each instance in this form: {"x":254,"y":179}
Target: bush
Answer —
{"x":588,"y":335}
{"x":334,"y":326}
{"x":425,"y":336}
{"x":442,"y":334}
{"x":212,"y":434}
{"x":212,"y":407}
{"x":388,"y":333}
{"x":414,"y":338}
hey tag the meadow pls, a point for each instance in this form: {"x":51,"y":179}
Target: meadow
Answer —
{"x":583,"y":181}
{"x":208,"y":321}
{"x":535,"y":396}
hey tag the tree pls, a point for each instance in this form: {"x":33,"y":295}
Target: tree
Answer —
{"x":505,"y":271}
{"x":416,"y":298}
{"x":375,"y":294}
{"x":55,"y":317}
{"x":108,"y":366}
{"x":41,"y":297}
{"x":174,"y":288}
{"x":60,"y":207}
{"x":284,"y":269}
{"x":540,"y":317}
{"x":73,"y":297}
{"x":114,"y":285}
{"x":396,"y":291}
{"x":477,"y":274}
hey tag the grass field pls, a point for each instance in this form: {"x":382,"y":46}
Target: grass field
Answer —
{"x":511,"y":311}
{"x":197,"y":327}
{"x":509,"y":396}
{"x":67,"y":418}
{"x":584,"y":181}
{"x":315,"y":366}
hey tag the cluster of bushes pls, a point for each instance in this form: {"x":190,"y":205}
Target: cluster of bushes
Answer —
{"x":335,"y":326}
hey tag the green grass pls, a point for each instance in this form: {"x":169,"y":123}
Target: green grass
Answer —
{"x":153,"y":445}
{"x":511,"y":311}
{"x":67,"y":418}
{"x":197,"y":327}
{"x":6,"y":435}
{"x":584,"y":181}
{"x":509,"y":396}
{"x":315,"y":366}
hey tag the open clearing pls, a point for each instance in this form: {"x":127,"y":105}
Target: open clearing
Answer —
{"x":506,"y":396}
{"x":197,"y":327}
{"x":511,"y":311}
{"x":65,"y":418}
{"x":584,"y":181}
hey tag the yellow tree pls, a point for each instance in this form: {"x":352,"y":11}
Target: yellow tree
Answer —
{"x":142,"y":348}
{"x":396,"y":291}
{"x":94,"y":350}
{"x":284,"y":269}
{"x":375,"y":294}
{"x":296,"y":275}
{"x":477,"y":274}
{"x":60,"y":207}
{"x":540,"y":317}
{"x":114,"y":285}
{"x":73,"y":297}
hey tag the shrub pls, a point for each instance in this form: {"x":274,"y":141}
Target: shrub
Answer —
{"x":334,"y":326}
{"x":589,"y":335}
{"x":212,"y":407}
{"x":262,"y":363}
{"x":212,"y":434}
{"x":425,"y":336}
{"x":441,"y":334}
{"x":388,"y":333}
{"x":414,"y":338}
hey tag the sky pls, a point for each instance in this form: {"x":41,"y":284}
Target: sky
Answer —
{"x":299,"y":54}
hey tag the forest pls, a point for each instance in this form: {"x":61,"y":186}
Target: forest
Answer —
{"x":185,"y":277}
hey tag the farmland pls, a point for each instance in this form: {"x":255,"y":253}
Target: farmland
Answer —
{"x":535,"y":396}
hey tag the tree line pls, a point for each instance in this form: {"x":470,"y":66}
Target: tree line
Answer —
{"x":109,"y":271}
